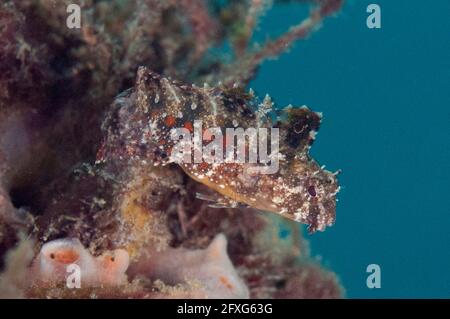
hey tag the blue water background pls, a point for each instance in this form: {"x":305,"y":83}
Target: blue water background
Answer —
{"x":385,"y":95}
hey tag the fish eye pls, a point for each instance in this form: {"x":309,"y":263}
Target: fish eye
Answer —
{"x":52,"y":256}
{"x":113,"y":259}
{"x":299,"y":127}
{"x":312,"y":191}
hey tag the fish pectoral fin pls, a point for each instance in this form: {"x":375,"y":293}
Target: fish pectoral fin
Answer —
{"x":220,"y":201}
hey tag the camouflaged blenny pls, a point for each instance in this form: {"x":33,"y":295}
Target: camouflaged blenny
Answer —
{"x":140,"y":125}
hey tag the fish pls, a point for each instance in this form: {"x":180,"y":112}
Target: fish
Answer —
{"x":144,"y":120}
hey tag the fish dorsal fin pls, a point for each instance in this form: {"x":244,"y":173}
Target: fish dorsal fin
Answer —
{"x":300,"y":128}
{"x":217,"y":200}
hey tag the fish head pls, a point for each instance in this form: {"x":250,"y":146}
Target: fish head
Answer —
{"x":315,"y":203}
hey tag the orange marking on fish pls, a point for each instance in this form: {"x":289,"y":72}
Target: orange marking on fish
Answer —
{"x":169,"y":121}
{"x":188,"y":125}
{"x":207,"y":136}
{"x":203,"y":165}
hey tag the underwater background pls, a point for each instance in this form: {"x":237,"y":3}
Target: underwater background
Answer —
{"x":386,"y":103}
{"x":82,"y":174}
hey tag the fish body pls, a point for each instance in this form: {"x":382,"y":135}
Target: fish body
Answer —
{"x":142,"y":124}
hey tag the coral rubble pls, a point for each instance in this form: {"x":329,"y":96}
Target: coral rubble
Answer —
{"x":88,"y":171}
